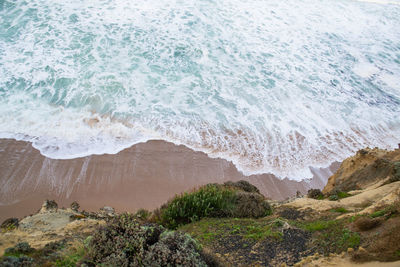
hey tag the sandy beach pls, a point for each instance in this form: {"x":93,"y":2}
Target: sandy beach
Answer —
{"x":142,"y":176}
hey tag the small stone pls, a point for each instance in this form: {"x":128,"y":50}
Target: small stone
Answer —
{"x":350,"y":250}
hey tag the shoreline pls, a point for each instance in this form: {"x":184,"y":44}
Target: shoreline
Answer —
{"x":145,"y":175}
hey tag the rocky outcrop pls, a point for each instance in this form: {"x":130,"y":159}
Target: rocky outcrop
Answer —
{"x":367,"y":167}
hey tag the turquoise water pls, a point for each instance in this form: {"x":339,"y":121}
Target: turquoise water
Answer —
{"x":273,"y":86}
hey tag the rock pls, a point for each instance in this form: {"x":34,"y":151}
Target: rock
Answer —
{"x":75,"y":206}
{"x":350,"y":250}
{"x":49,"y":206}
{"x":9,"y":223}
{"x":367,"y":167}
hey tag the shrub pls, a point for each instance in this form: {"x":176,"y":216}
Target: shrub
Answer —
{"x":243,"y":185}
{"x":366,"y":223}
{"x":209,"y":201}
{"x":123,"y":241}
{"x":291,"y":214}
{"x":143,"y":214}
{"x":251,"y":205}
{"x":18,"y":249}
{"x":174,"y":249}
{"x":12,"y":261}
{"x":314,"y":193}
{"x":333,"y":197}
{"x":72,"y":258}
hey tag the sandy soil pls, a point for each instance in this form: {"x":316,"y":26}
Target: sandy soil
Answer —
{"x":142,"y":176}
{"x":45,"y":227}
{"x":364,"y":201}
{"x":342,"y":260}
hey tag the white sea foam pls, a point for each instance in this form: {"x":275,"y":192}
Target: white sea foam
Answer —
{"x":273,"y":86}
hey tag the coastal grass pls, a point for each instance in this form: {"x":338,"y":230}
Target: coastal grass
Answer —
{"x":212,"y":200}
{"x":209,"y":201}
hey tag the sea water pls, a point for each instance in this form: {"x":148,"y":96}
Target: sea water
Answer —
{"x":275,"y":86}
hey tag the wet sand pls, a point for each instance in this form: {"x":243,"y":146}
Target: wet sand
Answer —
{"x":142,"y":176}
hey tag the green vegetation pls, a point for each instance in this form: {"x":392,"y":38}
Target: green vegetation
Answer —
{"x":9,"y":225}
{"x":212,"y":200}
{"x":334,"y":237}
{"x":209,"y":229}
{"x":339,"y":210}
{"x":354,"y":218}
{"x":378,"y":213}
{"x":71,"y":258}
{"x":143,"y":214}
{"x":389,"y":211}
{"x":209,"y":201}
{"x":339,"y":195}
{"x":331,"y":236}
{"x":259,"y":232}
{"x":316,"y":225}
{"x":343,"y":194}
{"x":315,"y":193}
{"x":127,"y":242}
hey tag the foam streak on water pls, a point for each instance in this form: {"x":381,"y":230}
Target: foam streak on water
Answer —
{"x":274,"y":86}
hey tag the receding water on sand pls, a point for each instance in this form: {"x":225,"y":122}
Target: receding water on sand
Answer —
{"x":273,"y":86}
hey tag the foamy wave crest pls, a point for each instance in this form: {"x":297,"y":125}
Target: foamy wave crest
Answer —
{"x":273,"y":86}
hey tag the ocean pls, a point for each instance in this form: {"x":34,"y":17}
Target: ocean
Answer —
{"x":273,"y":86}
